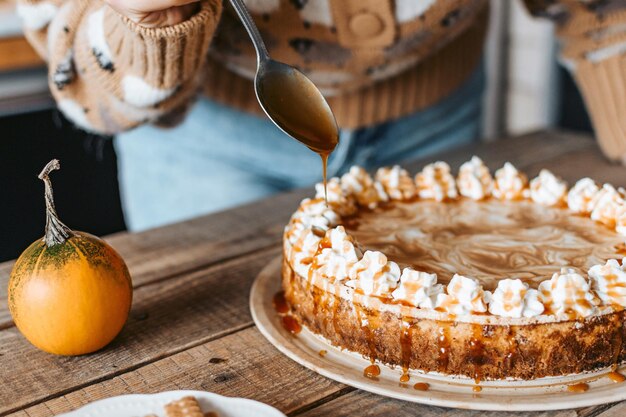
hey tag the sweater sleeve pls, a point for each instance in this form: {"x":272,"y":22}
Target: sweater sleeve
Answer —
{"x":592,"y":34}
{"x":108,"y":74}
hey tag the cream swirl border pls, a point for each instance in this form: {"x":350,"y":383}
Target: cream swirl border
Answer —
{"x":567,"y":295}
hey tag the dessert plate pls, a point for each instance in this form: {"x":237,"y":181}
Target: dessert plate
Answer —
{"x":458,"y":392}
{"x":144,"y":404}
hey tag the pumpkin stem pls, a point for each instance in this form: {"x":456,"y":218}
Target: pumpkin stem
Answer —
{"x":56,"y":232}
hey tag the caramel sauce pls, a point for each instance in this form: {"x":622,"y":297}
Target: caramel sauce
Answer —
{"x":421,"y":386}
{"x":477,"y":388}
{"x":616,"y":376}
{"x":291,"y":324}
{"x":509,"y":362}
{"x":367,"y":331}
{"x":372,"y":371}
{"x":477,"y":352}
{"x":578,"y":388}
{"x":322,"y":353}
{"x":443,"y":347}
{"x":406,"y":341}
{"x":297,"y":106}
{"x":280,"y":303}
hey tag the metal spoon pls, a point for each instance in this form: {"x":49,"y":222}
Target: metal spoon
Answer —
{"x":288,"y":97}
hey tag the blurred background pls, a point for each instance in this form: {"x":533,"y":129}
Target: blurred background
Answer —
{"x":527,"y":90}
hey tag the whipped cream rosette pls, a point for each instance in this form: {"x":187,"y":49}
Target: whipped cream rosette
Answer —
{"x":547,"y":189}
{"x":580,"y":198}
{"x":436,"y":182}
{"x":509,"y":183}
{"x":396,"y":182}
{"x":474,"y":180}
{"x":374,"y":275}
{"x":567,"y":293}
{"x":609,"y":282}
{"x":417,"y":288}
{"x":513,"y":298}
{"x":464,"y":296}
{"x":359,"y":184}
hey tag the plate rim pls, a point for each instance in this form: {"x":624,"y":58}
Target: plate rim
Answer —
{"x":94,"y":405}
{"x":273,"y":334}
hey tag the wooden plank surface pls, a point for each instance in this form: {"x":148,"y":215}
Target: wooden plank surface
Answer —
{"x":191,"y":304}
{"x":17,"y":54}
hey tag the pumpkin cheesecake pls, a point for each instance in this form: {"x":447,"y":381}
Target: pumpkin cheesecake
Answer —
{"x":487,"y":277}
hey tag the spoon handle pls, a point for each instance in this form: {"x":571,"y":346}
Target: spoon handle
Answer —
{"x":253,"y":31}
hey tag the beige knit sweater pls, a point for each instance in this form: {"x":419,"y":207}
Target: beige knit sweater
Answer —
{"x":375,"y":60}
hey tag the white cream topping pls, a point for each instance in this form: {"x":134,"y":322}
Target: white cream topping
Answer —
{"x":358,"y":183}
{"x":341,"y":203}
{"x":513,"y":298}
{"x":580,"y":197}
{"x":620,"y":220}
{"x":548,"y":189}
{"x":436,"y":182}
{"x":510,"y":184}
{"x":311,"y":214}
{"x":609,"y":282}
{"x":397,"y":183}
{"x":417,"y":288}
{"x":335,"y":262}
{"x":567,"y":292}
{"x":374,"y":275}
{"x":464,"y":296}
{"x":474,"y":180}
{"x":303,"y":250}
{"x":606,"y":205}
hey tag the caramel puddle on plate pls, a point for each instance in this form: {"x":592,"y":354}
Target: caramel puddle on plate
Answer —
{"x":290,"y":323}
{"x":421,"y":386}
{"x":616,"y":377}
{"x":580,"y":387}
{"x":372,"y":372}
{"x":322,"y":353}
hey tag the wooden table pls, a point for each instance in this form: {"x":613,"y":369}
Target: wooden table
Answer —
{"x":190,"y":327}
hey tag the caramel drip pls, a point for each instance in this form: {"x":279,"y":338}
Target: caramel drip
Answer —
{"x":324,"y":157}
{"x":509,"y":359}
{"x":421,"y":386}
{"x":486,"y":240}
{"x":322,"y":353}
{"x":477,"y":352}
{"x":280,"y":303}
{"x":617,"y":339}
{"x":443,"y":347}
{"x":372,"y":372}
{"x":616,"y":376}
{"x":477,"y":388}
{"x":578,"y":388}
{"x":406,"y":342}
{"x":291,"y":324}
{"x":367,"y":331}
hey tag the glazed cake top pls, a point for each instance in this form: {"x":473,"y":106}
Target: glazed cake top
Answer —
{"x":474,"y":245}
{"x":488,"y":240}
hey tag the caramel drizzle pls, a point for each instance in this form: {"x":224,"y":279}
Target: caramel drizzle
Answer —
{"x":406,"y":342}
{"x":476,"y":353}
{"x":578,"y":388}
{"x":509,"y":359}
{"x":443,"y":347}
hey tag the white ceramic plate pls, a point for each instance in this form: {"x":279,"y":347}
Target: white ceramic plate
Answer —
{"x":347,"y":367}
{"x":142,"y":405}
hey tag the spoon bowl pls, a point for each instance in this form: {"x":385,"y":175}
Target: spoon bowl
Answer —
{"x":289,"y":98}
{"x":296,"y":106}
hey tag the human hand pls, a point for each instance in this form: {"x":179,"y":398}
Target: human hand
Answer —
{"x":155,"y":13}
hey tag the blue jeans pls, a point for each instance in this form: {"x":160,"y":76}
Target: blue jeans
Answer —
{"x":220,"y":157}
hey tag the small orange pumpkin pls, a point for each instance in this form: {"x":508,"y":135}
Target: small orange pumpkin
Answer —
{"x":70,"y":292}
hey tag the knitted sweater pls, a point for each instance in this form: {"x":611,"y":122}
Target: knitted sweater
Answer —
{"x":375,"y":60}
